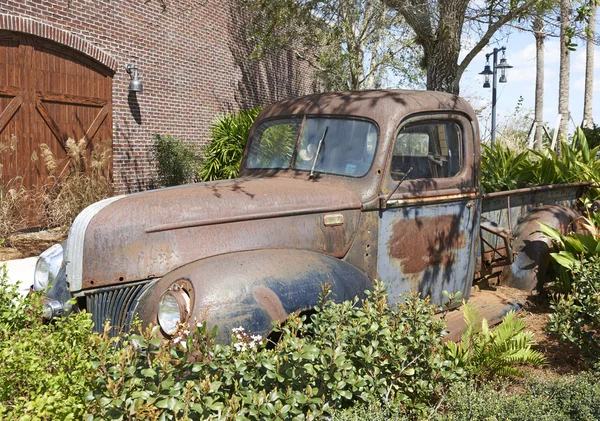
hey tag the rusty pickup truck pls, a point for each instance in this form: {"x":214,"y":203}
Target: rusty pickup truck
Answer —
{"x":339,"y":188}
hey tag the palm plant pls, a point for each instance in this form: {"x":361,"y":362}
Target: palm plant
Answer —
{"x":228,"y":136}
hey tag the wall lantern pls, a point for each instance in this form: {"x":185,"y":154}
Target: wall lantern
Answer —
{"x":135,"y":85}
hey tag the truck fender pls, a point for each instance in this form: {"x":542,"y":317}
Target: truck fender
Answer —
{"x":528,"y":270}
{"x":254,"y":288}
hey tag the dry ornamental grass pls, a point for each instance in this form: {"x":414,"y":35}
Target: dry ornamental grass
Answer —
{"x":72,"y":184}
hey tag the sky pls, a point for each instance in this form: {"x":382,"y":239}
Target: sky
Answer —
{"x":520,"y":53}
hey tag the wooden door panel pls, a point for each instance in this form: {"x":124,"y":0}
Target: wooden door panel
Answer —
{"x":48,"y":93}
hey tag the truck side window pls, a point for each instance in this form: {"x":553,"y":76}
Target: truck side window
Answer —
{"x":433,"y":150}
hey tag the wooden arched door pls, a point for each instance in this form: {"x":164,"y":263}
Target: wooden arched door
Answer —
{"x":48,"y":94}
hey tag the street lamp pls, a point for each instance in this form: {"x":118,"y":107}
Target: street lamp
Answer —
{"x":487,"y":72}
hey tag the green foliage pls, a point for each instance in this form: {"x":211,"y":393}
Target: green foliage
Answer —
{"x":486,"y":353}
{"x":346,"y":354}
{"x":228,"y":135}
{"x":574,"y":248}
{"x":45,"y":369}
{"x":564,"y":399}
{"x":177,"y":161}
{"x":576,"y":317}
{"x":592,"y":135}
{"x":349,"y":44}
{"x":342,"y":355}
{"x":503,"y":169}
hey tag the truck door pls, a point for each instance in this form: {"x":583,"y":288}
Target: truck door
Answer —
{"x":427,"y":227}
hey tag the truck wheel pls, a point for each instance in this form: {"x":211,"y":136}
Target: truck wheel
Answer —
{"x":528,"y":270}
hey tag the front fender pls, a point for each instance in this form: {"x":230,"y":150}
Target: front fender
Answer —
{"x":254,"y":288}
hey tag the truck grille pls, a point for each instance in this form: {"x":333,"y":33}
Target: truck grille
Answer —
{"x":114,"y":304}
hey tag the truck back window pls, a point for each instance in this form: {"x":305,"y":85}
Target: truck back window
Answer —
{"x":432,"y":150}
{"x":341,"y":146}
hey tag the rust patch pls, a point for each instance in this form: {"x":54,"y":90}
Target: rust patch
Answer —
{"x":271,"y":302}
{"x":426,"y":242}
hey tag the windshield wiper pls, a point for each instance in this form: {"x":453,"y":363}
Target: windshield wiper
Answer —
{"x":312,"y":169}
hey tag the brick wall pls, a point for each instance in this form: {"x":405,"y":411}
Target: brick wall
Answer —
{"x":193,"y":62}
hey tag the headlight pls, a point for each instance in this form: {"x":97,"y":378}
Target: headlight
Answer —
{"x":47,"y":267}
{"x":174,"y":307}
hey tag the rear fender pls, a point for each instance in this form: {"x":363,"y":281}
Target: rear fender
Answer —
{"x":254,"y":288}
{"x":529,"y":267}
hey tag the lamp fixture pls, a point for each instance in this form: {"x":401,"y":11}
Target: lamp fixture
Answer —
{"x":492,"y":71}
{"x":135,"y":84}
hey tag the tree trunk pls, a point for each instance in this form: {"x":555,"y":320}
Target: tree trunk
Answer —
{"x":442,"y":72}
{"x":589,"y":67}
{"x":538,"y":31}
{"x":565,"y":71}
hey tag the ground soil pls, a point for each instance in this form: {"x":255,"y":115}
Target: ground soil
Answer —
{"x":29,"y":243}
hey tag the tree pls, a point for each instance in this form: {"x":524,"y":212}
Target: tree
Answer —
{"x":589,"y":65}
{"x":352,"y":44}
{"x":566,"y":34}
{"x":439,"y":26}
{"x":540,"y":35}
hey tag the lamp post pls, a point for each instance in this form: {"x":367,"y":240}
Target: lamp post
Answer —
{"x":487,"y":72}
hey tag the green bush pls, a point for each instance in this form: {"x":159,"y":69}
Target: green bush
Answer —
{"x":576,"y":317}
{"x":342,"y":355}
{"x":565,"y":399}
{"x":347,"y":353}
{"x":45,"y":369}
{"x":228,"y":135}
{"x":177,"y":161}
{"x":502,"y":169}
{"x":592,"y":135}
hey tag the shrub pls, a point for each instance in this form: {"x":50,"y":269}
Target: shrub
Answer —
{"x":564,"y":399}
{"x":576,"y":317}
{"x":45,"y":369}
{"x":228,"y":135}
{"x":346,"y":354}
{"x":592,"y":135}
{"x":502,"y":169}
{"x":177,"y":162}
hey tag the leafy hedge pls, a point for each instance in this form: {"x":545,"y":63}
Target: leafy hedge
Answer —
{"x":340,"y":356}
{"x":177,"y":161}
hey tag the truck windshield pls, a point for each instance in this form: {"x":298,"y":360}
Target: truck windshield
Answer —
{"x":347,"y":149}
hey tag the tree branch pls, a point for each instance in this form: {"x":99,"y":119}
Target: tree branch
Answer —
{"x":492,"y":29}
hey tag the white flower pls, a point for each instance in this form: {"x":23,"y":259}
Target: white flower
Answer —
{"x":256,"y":338}
{"x":186,"y":332}
{"x":177,"y":340}
{"x":237,"y":329}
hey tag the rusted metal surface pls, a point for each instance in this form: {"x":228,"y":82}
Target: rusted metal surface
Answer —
{"x":492,"y":305}
{"x":254,"y":288}
{"x":213,"y":218}
{"x":512,"y":211}
{"x":528,"y":270}
{"x":428,"y":248}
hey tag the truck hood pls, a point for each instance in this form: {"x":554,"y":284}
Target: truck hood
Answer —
{"x":146,"y":235}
